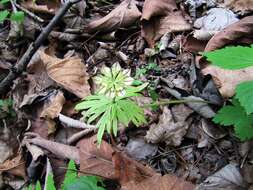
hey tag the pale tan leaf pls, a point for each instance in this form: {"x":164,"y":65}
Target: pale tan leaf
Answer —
{"x":160,"y":17}
{"x":122,"y":16}
{"x":68,"y":72}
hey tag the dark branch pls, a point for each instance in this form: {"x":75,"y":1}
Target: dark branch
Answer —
{"x":23,"y":62}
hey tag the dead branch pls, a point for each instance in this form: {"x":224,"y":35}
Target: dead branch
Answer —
{"x":23,"y":62}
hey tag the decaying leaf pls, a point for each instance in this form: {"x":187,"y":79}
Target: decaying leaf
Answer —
{"x":171,"y":127}
{"x":49,"y":7}
{"x":122,"y":16}
{"x":160,"y":17}
{"x":215,"y":20}
{"x":228,"y":178}
{"x":14,"y":166}
{"x":240,"y":6}
{"x":239,"y":32}
{"x":68,"y":72}
{"x":227,"y":80}
{"x":158,"y":182}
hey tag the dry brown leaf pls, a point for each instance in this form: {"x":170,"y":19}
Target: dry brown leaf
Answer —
{"x":108,"y":163}
{"x":171,"y":127}
{"x":15,"y":166}
{"x":241,"y":6}
{"x":68,"y":72}
{"x":227,"y":80}
{"x":192,"y":44}
{"x":158,"y":182}
{"x":160,"y":17}
{"x":54,"y":106}
{"x":239,"y":32}
{"x":49,"y":7}
{"x":122,"y":16}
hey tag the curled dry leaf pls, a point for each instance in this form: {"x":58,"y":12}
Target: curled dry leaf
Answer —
{"x":239,"y":32}
{"x":122,"y":16}
{"x":160,"y":17}
{"x":68,"y":72}
{"x":49,"y":7}
{"x":240,"y":6}
{"x":172,"y":126}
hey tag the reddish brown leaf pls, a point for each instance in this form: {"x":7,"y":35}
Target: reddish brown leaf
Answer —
{"x":192,"y":44}
{"x":122,"y":16}
{"x":241,"y":6}
{"x":69,"y":72}
{"x":160,"y":17}
{"x":239,"y":32}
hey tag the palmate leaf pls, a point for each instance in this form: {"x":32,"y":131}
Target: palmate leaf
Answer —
{"x":235,"y":115}
{"x":244,"y":93}
{"x":231,"y":57}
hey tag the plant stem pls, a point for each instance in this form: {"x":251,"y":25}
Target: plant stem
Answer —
{"x":167,"y":102}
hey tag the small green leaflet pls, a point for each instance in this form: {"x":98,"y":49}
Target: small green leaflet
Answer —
{"x":232,"y":58}
{"x":84,"y":183}
{"x":50,"y":182}
{"x":73,"y":182}
{"x":235,"y":115}
{"x":244,"y":93}
{"x":3,"y":15}
{"x":4,"y":1}
{"x":17,"y":16}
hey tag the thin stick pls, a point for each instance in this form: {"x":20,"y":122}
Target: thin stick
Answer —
{"x":23,"y":62}
{"x":75,"y":137}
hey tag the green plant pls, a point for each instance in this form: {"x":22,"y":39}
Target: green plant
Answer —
{"x":112,"y":103}
{"x":17,"y":16}
{"x":6,"y":108}
{"x":72,"y":181}
{"x":240,"y":113}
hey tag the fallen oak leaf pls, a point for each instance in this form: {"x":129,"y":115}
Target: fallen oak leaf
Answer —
{"x":69,"y":72}
{"x":122,"y":16}
{"x":160,"y":17}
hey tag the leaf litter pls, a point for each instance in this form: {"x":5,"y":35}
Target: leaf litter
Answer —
{"x":161,"y":43}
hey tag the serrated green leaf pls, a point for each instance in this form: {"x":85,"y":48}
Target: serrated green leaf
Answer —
{"x":3,"y":15}
{"x":244,"y":93}
{"x":231,"y":57}
{"x":38,"y":186}
{"x":17,"y":16}
{"x":85,"y":183}
{"x":235,"y":115}
{"x":4,"y":1}
{"x":71,"y":174}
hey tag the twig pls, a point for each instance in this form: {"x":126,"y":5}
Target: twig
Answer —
{"x":23,"y":62}
{"x":32,"y":15}
{"x":75,"y":123}
{"x":75,"y":137}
